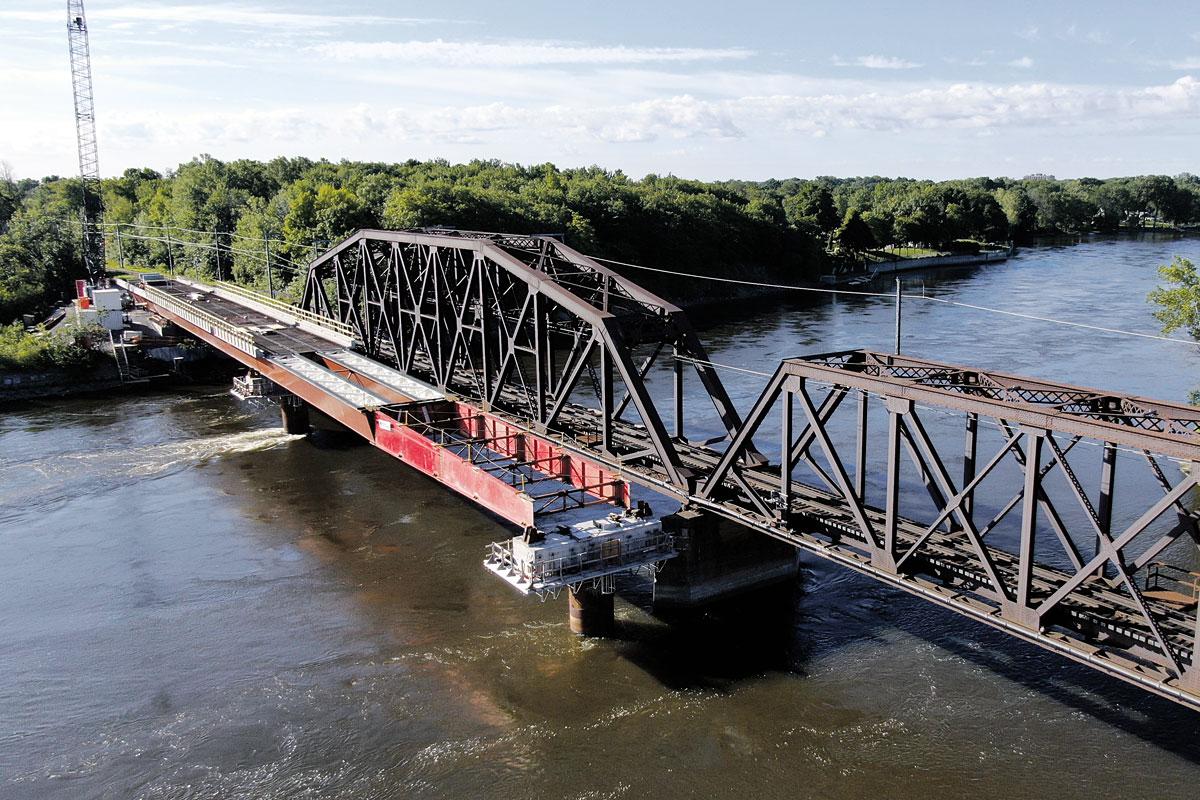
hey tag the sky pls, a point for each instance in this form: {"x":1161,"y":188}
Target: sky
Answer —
{"x":707,"y":89}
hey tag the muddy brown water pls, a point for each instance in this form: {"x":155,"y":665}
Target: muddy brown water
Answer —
{"x":196,"y":605}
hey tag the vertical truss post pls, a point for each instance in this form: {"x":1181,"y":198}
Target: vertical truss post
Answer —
{"x":485,"y":344}
{"x":896,"y":407}
{"x":1028,"y":549}
{"x":606,"y":398}
{"x":1108,"y":470}
{"x":968,"y":501}
{"x":785,"y":457}
{"x":540,"y":357}
{"x":860,"y":461}
{"x":1191,"y":676}
{"x":899,"y":300}
{"x":678,"y":394}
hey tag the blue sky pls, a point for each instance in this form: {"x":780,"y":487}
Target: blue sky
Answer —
{"x":744,"y":89}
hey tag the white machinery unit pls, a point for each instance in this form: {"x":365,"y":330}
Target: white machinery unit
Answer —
{"x":107,"y":303}
{"x":591,"y":552}
{"x":253,"y":386}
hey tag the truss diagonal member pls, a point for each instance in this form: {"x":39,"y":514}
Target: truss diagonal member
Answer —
{"x":839,"y":470}
{"x":1180,"y":508}
{"x":956,"y":502}
{"x":1187,"y":520}
{"x":929,"y":458}
{"x":1151,"y":622}
{"x":1043,"y":500}
{"x":826,"y":410}
{"x":749,"y":426}
{"x":510,"y":347}
{"x":1076,"y":487}
{"x":736,"y":474}
{"x":381,"y":297}
{"x":619,"y":353}
{"x":726,"y":411}
{"x":1110,"y":549}
{"x":578,"y":357}
{"x":1016,"y":498}
{"x":459,"y":335}
{"x":642,"y":370}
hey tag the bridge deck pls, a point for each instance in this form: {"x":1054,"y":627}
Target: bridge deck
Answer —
{"x":275,"y":338}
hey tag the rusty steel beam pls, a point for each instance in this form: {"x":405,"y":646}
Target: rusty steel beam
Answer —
{"x":528,"y":331}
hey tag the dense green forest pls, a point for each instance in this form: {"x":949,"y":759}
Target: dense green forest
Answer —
{"x":789,"y":230}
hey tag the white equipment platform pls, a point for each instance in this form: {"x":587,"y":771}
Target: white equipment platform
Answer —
{"x":591,"y":552}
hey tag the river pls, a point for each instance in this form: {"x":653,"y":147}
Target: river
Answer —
{"x":196,"y":605}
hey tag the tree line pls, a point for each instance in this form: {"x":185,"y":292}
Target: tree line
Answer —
{"x":244,"y":214}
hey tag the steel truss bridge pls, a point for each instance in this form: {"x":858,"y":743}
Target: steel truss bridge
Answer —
{"x":995,"y":496}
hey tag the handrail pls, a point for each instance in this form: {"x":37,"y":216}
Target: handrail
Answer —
{"x":223,"y":329}
{"x":287,"y":308}
{"x":563,"y":568}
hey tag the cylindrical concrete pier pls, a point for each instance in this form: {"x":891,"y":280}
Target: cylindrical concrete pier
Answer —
{"x":591,"y":612}
{"x":294,"y":413}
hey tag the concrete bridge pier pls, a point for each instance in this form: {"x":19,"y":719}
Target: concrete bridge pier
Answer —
{"x":294,"y":412}
{"x":718,"y":559}
{"x":591,"y":611}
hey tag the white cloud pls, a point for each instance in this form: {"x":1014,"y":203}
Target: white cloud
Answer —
{"x":978,"y":106}
{"x":156,"y":62}
{"x":967,"y":107}
{"x":680,"y":117}
{"x":232,"y":14}
{"x":510,"y":54}
{"x":1186,"y":63}
{"x":876,"y":62}
{"x":1024,"y":62}
{"x":1030,"y":33}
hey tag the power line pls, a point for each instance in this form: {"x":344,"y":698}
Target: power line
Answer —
{"x":675,"y":273}
{"x":1072,"y":324}
{"x":230,"y":234}
{"x":890,"y":295}
{"x":739,"y":281}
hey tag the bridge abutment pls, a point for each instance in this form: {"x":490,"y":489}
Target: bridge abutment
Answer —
{"x":294,"y":413}
{"x":718,"y":559}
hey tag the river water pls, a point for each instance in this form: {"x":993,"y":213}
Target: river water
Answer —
{"x":193,"y":604}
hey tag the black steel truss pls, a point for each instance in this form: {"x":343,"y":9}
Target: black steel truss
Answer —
{"x":1067,"y":577}
{"x":522,"y":324}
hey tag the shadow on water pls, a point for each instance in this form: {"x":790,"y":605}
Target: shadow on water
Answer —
{"x":715,"y":648}
{"x":880,"y":609}
{"x":786,"y":630}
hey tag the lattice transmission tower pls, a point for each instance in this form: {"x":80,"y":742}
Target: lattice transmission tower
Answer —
{"x":85,"y":128}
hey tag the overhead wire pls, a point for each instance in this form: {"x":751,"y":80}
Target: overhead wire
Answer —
{"x":298,"y":266}
{"x":831,"y":386}
{"x":903,"y":296}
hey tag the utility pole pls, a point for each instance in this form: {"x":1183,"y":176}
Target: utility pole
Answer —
{"x":85,"y":130}
{"x":267,"y":253}
{"x":120,"y":249}
{"x":899,"y":298}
